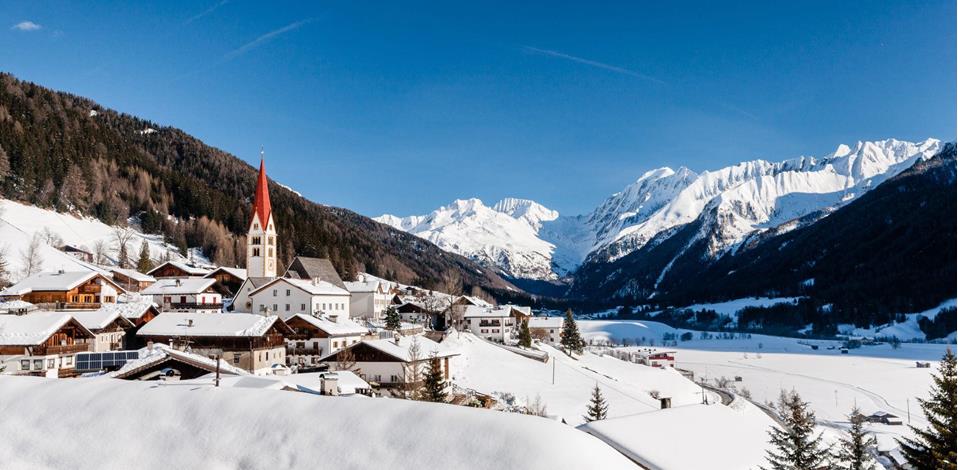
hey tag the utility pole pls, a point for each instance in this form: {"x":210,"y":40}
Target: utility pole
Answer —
{"x":217,"y":370}
{"x":553,"y":371}
{"x":908,"y":406}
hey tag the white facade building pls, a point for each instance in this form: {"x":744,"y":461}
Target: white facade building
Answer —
{"x":368,"y":299}
{"x":494,"y":323}
{"x":546,"y":329}
{"x":194,"y":294}
{"x":287,"y":297}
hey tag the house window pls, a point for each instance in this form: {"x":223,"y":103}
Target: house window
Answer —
{"x":255,"y":251}
{"x":274,"y":292}
{"x":302,"y":307}
{"x":393,"y":378}
{"x":69,"y":360}
{"x":50,"y":363}
{"x":287,"y":292}
{"x":287,"y":307}
{"x":255,"y":226}
{"x":271,"y":240}
{"x":236,"y":358}
{"x":256,"y":240}
{"x":25,"y":364}
{"x":37,"y":364}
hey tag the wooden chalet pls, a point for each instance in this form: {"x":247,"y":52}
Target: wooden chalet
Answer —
{"x":42,"y":342}
{"x":387,"y":362}
{"x":248,"y":341}
{"x":131,"y":279}
{"x":65,"y":290}
{"x":162,"y":361}
{"x":228,"y":280}
{"x":78,"y":253}
{"x":176,"y":269}
{"x":108,"y":325}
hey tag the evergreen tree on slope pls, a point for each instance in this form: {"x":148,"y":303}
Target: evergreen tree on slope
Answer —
{"x":795,"y":445}
{"x":934,"y":447}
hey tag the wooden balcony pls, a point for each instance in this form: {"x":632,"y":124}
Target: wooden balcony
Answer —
{"x":64,"y":349}
{"x":191,"y":306}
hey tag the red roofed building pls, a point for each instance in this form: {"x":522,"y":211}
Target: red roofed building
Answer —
{"x":261,"y":237}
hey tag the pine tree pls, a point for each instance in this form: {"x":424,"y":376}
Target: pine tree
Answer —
{"x":854,"y":450}
{"x":570,"y":339}
{"x":525,"y":337}
{"x":934,"y":447}
{"x":598,"y":408}
{"x":393,"y":320}
{"x":434,"y":383}
{"x":144,"y":264}
{"x":796,"y":447}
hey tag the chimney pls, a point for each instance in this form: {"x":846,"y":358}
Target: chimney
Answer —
{"x":396,"y":337}
{"x":665,"y":402}
{"x":189,"y":322}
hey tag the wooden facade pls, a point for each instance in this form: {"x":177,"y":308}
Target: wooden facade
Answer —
{"x":69,"y":339}
{"x":89,"y":295}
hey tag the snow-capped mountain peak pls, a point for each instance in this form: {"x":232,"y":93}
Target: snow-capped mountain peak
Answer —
{"x":526,"y":239}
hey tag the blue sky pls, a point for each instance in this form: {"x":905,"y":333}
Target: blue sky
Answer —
{"x":402,"y":108}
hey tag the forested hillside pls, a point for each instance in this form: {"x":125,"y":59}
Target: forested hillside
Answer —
{"x":66,"y":152}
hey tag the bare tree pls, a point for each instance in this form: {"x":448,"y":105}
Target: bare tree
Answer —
{"x":412,"y":370}
{"x":346,"y":360}
{"x":30,"y":258}
{"x":100,"y":252}
{"x":122,"y":236}
{"x":535,"y":407}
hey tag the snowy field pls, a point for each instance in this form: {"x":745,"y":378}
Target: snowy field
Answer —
{"x":872,"y":377}
{"x":489,"y":369}
{"x":19,"y":222}
{"x":115,"y":424}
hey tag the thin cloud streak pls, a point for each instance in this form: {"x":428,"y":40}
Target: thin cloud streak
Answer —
{"x":264,"y":39}
{"x":205,"y":12}
{"x":26,"y":26}
{"x":592,"y":63}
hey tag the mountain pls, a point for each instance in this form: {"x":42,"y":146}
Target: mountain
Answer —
{"x":69,"y":154}
{"x":503,"y":237}
{"x":891,"y":249}
{"x":728,"y":206}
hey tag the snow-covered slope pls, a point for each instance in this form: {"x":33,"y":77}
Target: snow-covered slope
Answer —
{"x":503,"y":236}
{"x":527,"y":240}
{"x":104,"y":423}
{"x":19,"y":222}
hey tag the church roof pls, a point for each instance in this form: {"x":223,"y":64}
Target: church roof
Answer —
{"x":261,"y":206}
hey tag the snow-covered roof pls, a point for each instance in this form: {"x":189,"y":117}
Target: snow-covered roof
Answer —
{"x":209,"y":325}
{"x":16,"y":305}
{"x":133,"y":274}
{"x":545,"y":322}
{"x":400,"y":349}
{"x":99,"y":319}
{"x":49,"y":281}
{"x":129,"y":309}
{"x":362,"y":286}
{"x":31,"y":329}
{"x":344,"y":327}
{"x":160,"y":352}
{"x":475,"y":311}
{"x":191,"y":270}
{"x":314,"y":287}
{"x":236,"y":272}
{"x":475,"y":301}
{"x":190,"y":285}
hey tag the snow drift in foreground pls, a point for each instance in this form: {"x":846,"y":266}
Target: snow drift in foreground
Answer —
{"x":112,"y":424}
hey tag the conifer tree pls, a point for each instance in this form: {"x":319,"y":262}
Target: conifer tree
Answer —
{"x":144,"y":264}
{"x":598,"y":408}
{"x":434,"y":384}
{"x":795,"y":445}
{"x":123,"y":259}
{"x":525,"y":337}
{"x":393,"y":320}
{"x":934,"y":447}
{"x":570,"y":339}
{"x":4,"y":164}
{"x":854,"y":450}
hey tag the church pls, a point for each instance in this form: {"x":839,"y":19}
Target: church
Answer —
{"x":307,"y":286}
{"x":261,"y":236}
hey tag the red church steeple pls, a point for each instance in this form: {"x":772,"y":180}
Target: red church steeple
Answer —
{"x":261,"y":206}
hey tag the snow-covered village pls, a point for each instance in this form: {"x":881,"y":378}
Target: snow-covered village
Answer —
{"x":246,"y":299}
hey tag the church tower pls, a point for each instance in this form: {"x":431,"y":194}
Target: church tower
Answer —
{"x":261,"y":237}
